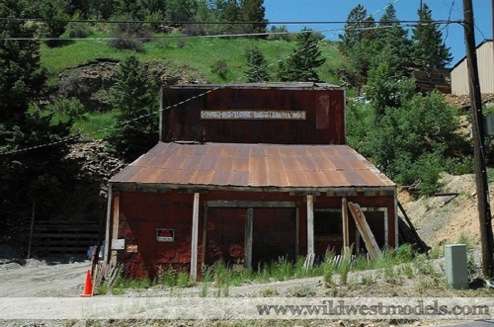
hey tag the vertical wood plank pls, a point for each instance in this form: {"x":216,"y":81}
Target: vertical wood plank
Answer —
{"x":249,"y":229}
{"x":346,"y":233}
{"x":205,"y":235}
{"x":297,"y":232}
{"x":310,"y":231}
{"x":115,"y":224}
{"x":106,"y":255}
{"x":195,"y":233}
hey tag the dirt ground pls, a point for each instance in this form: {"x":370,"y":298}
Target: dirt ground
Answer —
{"x":450,"y":216}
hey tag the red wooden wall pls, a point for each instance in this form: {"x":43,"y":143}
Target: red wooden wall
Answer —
{"x":324,"y":109}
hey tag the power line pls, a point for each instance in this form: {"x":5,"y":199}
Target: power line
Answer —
{"x":178,"y":37}
{"x":166,"y":22}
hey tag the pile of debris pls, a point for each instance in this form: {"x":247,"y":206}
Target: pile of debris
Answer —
{"x":98,"y":166}
{"x":463,"y":101}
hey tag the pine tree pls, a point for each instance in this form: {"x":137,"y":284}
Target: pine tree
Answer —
{"x":429,"y":50}
{"x":181,"y":10}
{"x":55,"y":20}
{"x":231,"y":14}
{"x":253,"y":11}
{"x":22,"y":78}
{"x":257,"y":66}
{"x":301,"y":65}
{"x":37,"y":174}
{"x":357,"y":46}
{"x":135,"y":97}
{"x":359,"y":27}
{"x":393,"y":45}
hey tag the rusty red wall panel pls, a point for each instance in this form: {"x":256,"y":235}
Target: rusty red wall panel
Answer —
{"x":324,"y":123}
{"x":141,"y":213}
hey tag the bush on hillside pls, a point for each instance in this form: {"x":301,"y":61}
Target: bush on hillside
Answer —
{"x":129,"y":36}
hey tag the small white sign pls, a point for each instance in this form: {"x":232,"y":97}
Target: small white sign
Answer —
{"x":118,"y":244}
{"x":253,"y":114}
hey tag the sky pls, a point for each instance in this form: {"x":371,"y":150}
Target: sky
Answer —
{"x":338,"y":10}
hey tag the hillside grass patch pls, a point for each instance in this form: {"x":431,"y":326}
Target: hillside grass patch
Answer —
{"x":96,"y":126}
{"x":198,"y":53}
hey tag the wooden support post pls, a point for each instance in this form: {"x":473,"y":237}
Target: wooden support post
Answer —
{"x":297,"y":232}
{"x":249,"y":228}
{"x":346,"y":233}
{"x":204,"y":235}
{"x":365,"y":231}
{"x":106,"y":254}
{"x":195,"y":233}
{"x":310,"y":232}
{"x":115,"y":225}
{"x":31,"y":230}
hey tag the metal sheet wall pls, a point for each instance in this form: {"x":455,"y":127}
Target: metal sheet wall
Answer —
{"x":485,"y":61}
{"x":324,"y":121}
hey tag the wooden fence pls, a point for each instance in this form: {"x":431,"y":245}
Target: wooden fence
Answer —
{"x":57,"y":238}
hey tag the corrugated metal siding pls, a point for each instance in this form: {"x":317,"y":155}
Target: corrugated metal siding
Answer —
{"x":485,"y":62}
{"x":253,"y":165}
{"x":292,"y":113}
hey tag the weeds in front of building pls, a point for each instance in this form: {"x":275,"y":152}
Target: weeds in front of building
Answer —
{"x":216,"y":280}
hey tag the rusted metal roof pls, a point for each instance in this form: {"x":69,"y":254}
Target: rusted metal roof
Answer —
{"x":209,"y":165}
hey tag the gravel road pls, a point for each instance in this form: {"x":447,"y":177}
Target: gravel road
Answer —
{"x":61,"y":276}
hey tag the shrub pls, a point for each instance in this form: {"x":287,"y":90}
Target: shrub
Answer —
{"x":220,"y":67}
{"x":77,"y":29}
{"x":129,"y":36}
{"x":72,"y":86}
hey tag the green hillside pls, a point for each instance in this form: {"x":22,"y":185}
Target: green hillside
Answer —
{"x":198,"y":53}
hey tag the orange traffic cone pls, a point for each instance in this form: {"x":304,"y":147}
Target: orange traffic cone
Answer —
{"x":88,"y":285}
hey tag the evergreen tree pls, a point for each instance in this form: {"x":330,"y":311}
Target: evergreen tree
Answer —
{"x":301,"y":65}
{"x":130,"y":9}
{"x":80,"y":7}
{"x":55,"y":20}
{"x":39,"y":174}
{"x":135,"y":97}
{"x":103,"y":9}
{"x":22,"y":78}
{"x":357,"y":46}
{"x":181,"y":10}
{"x":231,"y":14}
{"x":429,"y":50}
{"x":359,"y":27}
{"x":393,"y":46}
{"x":257,"y":66}
{"x":253,"y":11}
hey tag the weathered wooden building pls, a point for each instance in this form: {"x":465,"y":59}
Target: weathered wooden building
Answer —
{"x":246,"y":174}
{"x":485,"y":61}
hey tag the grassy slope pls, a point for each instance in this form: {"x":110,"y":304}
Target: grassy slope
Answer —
{"x":196,"y":53}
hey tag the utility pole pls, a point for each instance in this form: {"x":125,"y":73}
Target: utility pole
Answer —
{"x":483,"y":204}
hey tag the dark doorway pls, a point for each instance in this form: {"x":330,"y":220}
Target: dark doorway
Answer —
{"x":274,"y":235}
{"x":225,"y":235}
{"x":377,"y":222}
